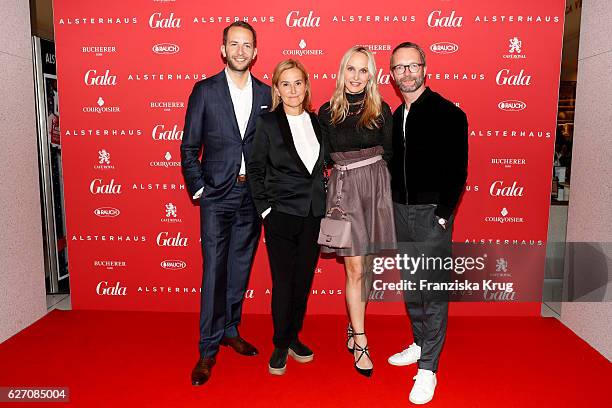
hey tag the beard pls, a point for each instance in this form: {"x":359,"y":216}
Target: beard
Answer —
{"x":239,"y":68}
{"x":418,"y":82}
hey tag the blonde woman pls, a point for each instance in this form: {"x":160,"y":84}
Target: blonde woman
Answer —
{"x":285,"y":173}
{"x":357,"y":131}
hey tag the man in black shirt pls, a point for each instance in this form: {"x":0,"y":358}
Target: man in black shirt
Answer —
{"x":428,"y":174}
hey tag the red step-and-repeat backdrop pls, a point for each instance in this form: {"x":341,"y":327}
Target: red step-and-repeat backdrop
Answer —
{"x":126,"y":69}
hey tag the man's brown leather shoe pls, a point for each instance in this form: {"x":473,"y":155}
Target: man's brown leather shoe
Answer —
{"x":239,"y":345}
{"x":201,"y":372}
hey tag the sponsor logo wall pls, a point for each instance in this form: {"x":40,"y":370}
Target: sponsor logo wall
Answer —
{"x":125,"y":72}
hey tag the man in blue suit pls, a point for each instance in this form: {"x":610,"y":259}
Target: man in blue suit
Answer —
{"x":220,"y":122}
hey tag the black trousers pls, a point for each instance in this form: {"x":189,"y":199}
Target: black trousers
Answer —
{"x":293,"y":253}
{"x":420,"y":235}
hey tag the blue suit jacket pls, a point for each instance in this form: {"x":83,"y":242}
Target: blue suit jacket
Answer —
{"x":210,"y":125}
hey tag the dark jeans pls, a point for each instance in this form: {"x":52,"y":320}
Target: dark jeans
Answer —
{"x":293,"y":253}
{"x":420,"y":235}
{"x":230,"y":230}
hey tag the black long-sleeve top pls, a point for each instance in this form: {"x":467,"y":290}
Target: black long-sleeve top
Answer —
{"x":348,"y":136}
{"x":430,"y":163}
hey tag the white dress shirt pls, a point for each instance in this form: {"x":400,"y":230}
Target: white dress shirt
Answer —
{"x":305,"y":141}
{"x":242,"y":100}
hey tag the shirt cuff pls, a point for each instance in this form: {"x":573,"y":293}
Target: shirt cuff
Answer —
{"x":198,"y":194}
{"x":266,"y":212}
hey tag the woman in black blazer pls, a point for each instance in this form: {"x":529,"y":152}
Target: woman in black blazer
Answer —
{"x":285,"y":173}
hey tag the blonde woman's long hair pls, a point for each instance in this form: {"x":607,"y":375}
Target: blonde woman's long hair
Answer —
{"x":339,"y":105}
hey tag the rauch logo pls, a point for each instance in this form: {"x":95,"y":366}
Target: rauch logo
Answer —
{"x":173,"y":264}
{"x":106,"y":212}
{"x":444,"y":48}
{"x":166,"y":48}
{"x":512,"y":105}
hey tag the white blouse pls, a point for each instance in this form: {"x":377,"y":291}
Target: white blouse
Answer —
{"x":305,"y":139}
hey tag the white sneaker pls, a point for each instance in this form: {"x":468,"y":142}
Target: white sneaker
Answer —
{"x":424,"y":387}
{"x":409,"y":356}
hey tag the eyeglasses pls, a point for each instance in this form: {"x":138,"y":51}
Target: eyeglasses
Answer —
{"x":400,"y":69}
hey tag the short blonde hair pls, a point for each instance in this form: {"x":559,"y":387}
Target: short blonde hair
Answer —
{"x":282,"y":67}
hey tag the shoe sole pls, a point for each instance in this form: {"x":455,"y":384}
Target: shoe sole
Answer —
{"x":401,"y":364}
{"x":277,"y":371}
{"x":301,"y":359}
{"x":420,"y":403}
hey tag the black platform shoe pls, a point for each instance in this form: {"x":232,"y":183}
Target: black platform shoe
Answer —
{"x":300,"y":352}
{"x":278,"y":361}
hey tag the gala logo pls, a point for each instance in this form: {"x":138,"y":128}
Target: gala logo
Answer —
{"x":117,"y":290}
{"x":164,"y":241}
{"x":498,"y":189}
{"x":93,"y":79}
{"x":160,"y":133}
{"x":294,"y":20}
{"x":436,"y":19}
{"x":97,"y":186}
{"x":156,"y":21}
{"x":505,"y":78}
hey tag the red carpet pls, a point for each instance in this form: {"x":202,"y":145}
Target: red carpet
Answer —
{"x":119,"y":359}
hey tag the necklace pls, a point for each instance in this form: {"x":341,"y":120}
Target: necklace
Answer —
{"x":361,"y":105}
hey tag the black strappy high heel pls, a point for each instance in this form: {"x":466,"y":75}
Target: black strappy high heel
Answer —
{"x":349,"y":336}
{"x":367,"y":372}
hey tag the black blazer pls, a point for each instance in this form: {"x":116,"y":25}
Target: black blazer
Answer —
{"x":430,"y":166}
{"x":277,"y":176}
{"x":210,"y":125}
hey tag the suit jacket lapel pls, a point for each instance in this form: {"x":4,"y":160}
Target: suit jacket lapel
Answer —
{"x":226,"y":101}
{"x":283,"y":124}
{"x":255,"y":109}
